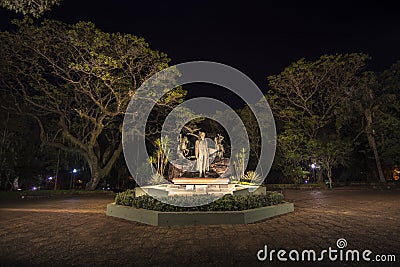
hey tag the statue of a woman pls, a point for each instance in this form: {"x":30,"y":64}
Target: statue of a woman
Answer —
{"x":201,"y":152}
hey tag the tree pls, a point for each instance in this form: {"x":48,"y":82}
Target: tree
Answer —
{"x":291,"y":153}
{"x":76,"y":82}
{"x":36,"y":8}
{"x":307,"y":93}
{"x":387,"y":120}
{"x":253,"y":131}
{"x":364,"y":101}
{"x":306,"y":98}
{"x":21,"y":155}
{"x":372,"y":109}
{"x":161,"y":154}
{"x":330,"y":153}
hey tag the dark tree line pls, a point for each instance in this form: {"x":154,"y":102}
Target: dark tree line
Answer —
{"x":334,"y":112}
{"x":66,"y":87}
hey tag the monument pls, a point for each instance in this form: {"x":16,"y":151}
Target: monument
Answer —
{"x":219,"y":146}
{"x":201,"y":153}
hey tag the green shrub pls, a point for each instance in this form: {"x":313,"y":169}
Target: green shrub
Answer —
{"x":125,"y":198}
{"x":226,"y":203}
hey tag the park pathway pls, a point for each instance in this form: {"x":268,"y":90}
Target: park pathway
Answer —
{"x":74,"y":231}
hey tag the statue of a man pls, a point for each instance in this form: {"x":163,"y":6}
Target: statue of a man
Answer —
{"x":201,"y":153}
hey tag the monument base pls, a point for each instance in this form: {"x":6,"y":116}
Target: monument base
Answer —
{"x":200,"y":181}
{"x":198,"y":189}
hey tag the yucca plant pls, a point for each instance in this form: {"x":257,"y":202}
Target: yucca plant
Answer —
{"x":252,"y":177}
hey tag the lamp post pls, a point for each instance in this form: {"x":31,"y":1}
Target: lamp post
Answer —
{"x":72,"y":184}
{"x":313,"y":166}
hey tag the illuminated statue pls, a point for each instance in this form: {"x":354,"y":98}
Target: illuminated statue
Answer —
{"x":201,"y":153}
{"x":219,"y":146}
{"x":183,"y":145}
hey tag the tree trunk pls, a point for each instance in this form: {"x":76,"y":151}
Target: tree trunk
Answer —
{"x":94,"y":180}
{"x":329,"y":174}
{"x":95,"y":171}
{"x":372,"y":144}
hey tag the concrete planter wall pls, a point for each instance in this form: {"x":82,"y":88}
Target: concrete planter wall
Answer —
{"x":234,"y":189}
{"x":158,"y":218}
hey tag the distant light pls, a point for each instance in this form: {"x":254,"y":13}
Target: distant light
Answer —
{"x":19,"y":189}
{"x":50,"y":178}
{"x":306,"y":181}
{"x":34,"y":188}
{"x":313,"y":166}
{"x":74,"y":171}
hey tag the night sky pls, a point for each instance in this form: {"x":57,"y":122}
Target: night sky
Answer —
{"x":258,"y":38}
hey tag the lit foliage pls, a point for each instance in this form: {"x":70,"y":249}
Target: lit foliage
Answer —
{"x":387,"y":116}
{"x":307,"y":97}
{"x":160,"y":158}
{"x":252,"y":177}
{"x":291,"y":152}
{"x":307,"y":93}
{"x":76,"y":82}
{"x":36,"y":8}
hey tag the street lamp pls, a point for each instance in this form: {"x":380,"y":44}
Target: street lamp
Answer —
{"x":313,"y":166}
{"x":72,"y":184}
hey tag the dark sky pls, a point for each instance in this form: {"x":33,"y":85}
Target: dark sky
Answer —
{"x":257,"y":37}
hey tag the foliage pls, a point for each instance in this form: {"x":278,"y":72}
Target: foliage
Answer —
{"x":76,"y":82}
{"x":21,"y":155}
{"x":306,"y":94}
{"x":330,"y":153}
{"x":252,"y":177}
{"x":387,"y":119}
{"x":226,"y":203}
{"x":253,"y":131}
{"x":36,"y":8}
{"x":161,"y":154}
{"x":371,"y":111}
{"x":291,"y":153}
{"x":307,"y":98}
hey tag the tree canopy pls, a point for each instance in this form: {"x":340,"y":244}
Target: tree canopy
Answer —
{"x":36,"y":8}
{"x":76,"y":82}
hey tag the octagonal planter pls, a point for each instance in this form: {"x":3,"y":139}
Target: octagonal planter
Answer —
{"x":158,"y":218}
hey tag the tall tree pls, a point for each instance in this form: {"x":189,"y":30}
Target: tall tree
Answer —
{"x":76,"y":82}
{"x":305,"y":98}
{"x":372,"y":109}
{"x":36,"y":8}
{"x":307,"y":93}
{"x":387,"y":121}
{"x":364,"y":101}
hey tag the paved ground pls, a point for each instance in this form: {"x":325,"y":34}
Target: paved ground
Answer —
{"x":75,"y":231}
